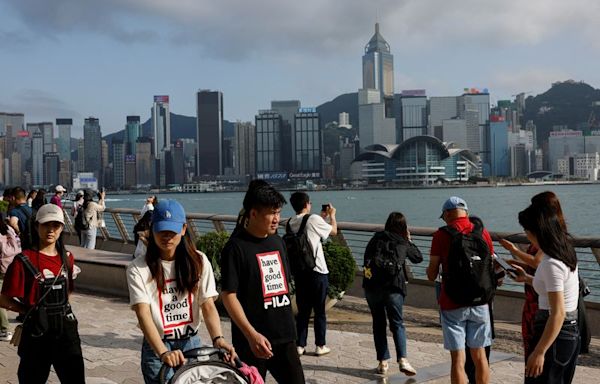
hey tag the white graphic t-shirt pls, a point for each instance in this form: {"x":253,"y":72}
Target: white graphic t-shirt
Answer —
{"x":175,"y":314}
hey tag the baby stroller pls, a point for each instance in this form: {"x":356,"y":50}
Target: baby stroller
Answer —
{"x":204,"y":365}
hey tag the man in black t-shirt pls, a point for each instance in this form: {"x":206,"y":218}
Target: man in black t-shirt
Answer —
{"x":255,"y":291}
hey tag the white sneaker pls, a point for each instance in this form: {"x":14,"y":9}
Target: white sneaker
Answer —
{"x":322,"y":350}
{"x":300,"y":351}
{"x":383,"y":367}
{"x":5,"y":335}
{"x":406,"y":368}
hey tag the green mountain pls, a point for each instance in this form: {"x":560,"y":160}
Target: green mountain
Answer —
{"x":566,"y":103}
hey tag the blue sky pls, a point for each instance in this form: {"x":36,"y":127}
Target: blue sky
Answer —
{"x":79,"y":58}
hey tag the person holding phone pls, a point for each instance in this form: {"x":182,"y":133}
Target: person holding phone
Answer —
{"x":555,"y":342}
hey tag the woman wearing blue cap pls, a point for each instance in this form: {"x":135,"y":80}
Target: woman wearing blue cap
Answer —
{"x":169,"y":289}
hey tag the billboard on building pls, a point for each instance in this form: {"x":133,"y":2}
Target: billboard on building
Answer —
{"x":161,"y":99}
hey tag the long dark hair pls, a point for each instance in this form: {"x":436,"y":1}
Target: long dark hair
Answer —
{"x":553,"y":239}
{"x":549,"y":199}
{"x":188,"y":263}
{"x":40,"y":199}
{"x":396,"y":223}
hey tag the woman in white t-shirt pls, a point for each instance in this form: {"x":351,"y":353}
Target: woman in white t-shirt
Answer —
{"x":170,"y":288}
{"x":555,"y":339}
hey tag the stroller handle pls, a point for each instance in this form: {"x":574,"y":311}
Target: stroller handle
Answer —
{"x":196,"y":353}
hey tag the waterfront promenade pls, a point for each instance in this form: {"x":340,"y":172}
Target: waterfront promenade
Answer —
{"x":111,"y":343}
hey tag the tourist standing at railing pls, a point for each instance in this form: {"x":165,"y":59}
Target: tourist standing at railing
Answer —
{"x":32,"y":194}
{"x":385,"y":280}
{"x":39,"y":199}
{"x":90,"y":212}
{"x":170,"y":289}
{"x":42,"y":280}
{"x":255,"y":291}
{"x":529,"y":261}
{"x":465,"y":320}
{"x":149,"y":205}
{"x":10,"y":246}
{"x":59,"y":191}
{"x":311,"y":285}
{"x":556,"y":340}
{"x":20,"y":213}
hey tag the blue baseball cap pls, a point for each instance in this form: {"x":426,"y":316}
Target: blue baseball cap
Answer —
{"x":454,"y":202}
{"x":168,"y":215}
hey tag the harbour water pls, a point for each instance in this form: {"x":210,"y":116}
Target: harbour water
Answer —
{"x":498,"y":207}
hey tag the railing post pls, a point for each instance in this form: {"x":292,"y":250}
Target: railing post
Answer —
{"x":120,"y":226}
{"x":219,"y":226}
{"x":192,"y":228}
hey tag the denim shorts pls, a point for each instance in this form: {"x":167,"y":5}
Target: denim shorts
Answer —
{"x":466,"y":326}
{"x":151,"y":363}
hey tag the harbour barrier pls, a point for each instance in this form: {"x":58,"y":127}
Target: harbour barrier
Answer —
{"x":115,"y":241}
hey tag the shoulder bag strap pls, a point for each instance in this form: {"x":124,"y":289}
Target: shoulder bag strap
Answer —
{"x":303,"y":224}
{"x":29,"y":266}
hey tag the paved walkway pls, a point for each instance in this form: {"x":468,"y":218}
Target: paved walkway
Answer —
{"x":111,"y":344}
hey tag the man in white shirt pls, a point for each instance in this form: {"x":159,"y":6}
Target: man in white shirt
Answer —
{"x":311,"y":286}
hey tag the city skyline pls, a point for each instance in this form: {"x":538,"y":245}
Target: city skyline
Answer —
{"x":61,"y":63}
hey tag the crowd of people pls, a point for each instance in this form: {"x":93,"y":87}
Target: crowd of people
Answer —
{"x":172,"y":286}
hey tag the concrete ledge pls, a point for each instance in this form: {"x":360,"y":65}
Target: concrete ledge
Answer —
{"x":101,"y":271}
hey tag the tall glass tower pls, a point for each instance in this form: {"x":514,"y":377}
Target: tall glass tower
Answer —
{"x":378,"y":69}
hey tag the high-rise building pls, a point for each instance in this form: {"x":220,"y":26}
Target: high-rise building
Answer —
{"x":47,"y":131}
{"x":161,"y":124}
{"x":245,"y":148}
{"x":80,"y":155}
{"x":51,"y":168}
{"x":63,"y":143}
{"x":92,"y":137}
{"x":209,"y":128}
{"x":373,"y":126}
{"x":478,"y":101}
{"x":145,"y":162}
{"x":37,"y":157}
{"x":440,"y":109}
{"x":15,"y":120}
{"x":287,"y":110}
{"x":500,"y":154}
{"x":133,"y":131}
{"x":344,"y":120}
{"x":118,"y":164}
{"x":23,"y":144}
{"x":161,"y":128}
{"x":411,"y":114}
{"x":130,"y":180}
{"x":378,"y":69}
{"x":177,"y":164}
{"x":268,"y":145}
{"x":306,"y":143}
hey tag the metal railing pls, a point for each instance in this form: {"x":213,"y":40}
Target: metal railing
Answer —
{"x":120,"y":223}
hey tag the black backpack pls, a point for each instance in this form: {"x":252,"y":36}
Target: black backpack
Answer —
{"x":25,"y":235}
{"x":81,"y":223}
{"x":385,"y":263}
{"x":299,"y":249}
{"x":470,"y":279}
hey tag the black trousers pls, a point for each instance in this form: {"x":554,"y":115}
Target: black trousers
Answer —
{"x":63,"y":351}
{"x":285,"y":364}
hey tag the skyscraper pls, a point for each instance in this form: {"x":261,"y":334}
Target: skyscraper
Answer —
{"x":51,"y":168}
{"x":37,"y":157}
{"x":161,"y":124}
{"x":378,"y":69}
{"x":63,"y":143}
{"x":161,"y":128}
{"x":92,"y":143}
{"x":209,"y":132}
{"x":245,"y":149}
{"x":306,"y":143}
{"x":144,"y":162}
{"x":412,"y":119}
{"x":287,"y":109}
{"x":118,"y":163}
{"x":268,"y":146}
{"x":15,"y":120}
{"x":133,"y":131}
